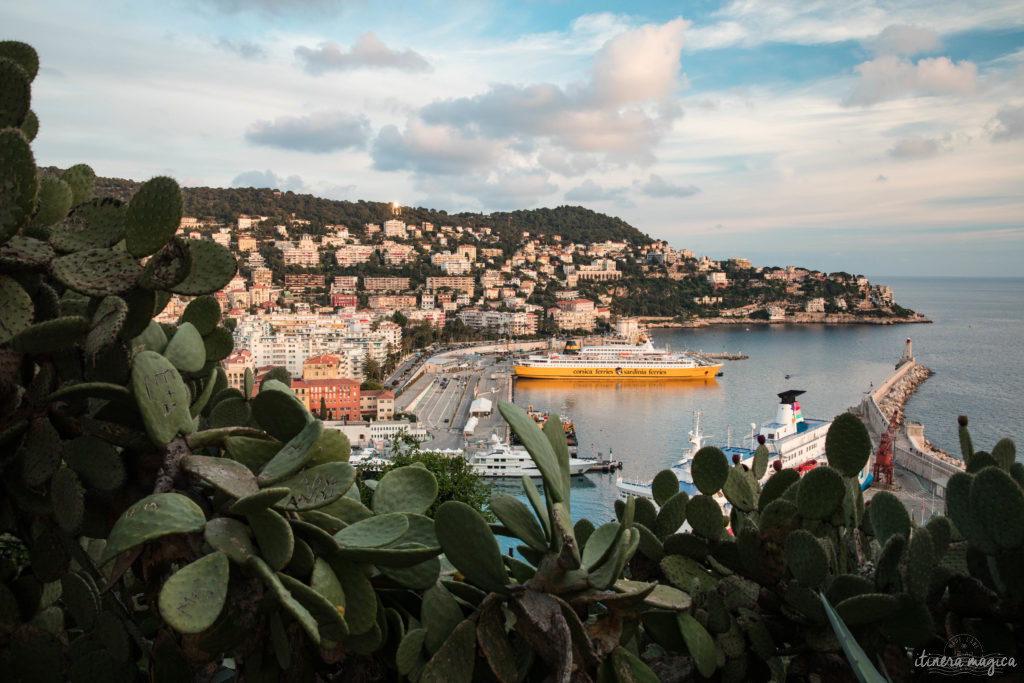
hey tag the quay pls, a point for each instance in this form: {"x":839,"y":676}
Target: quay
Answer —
{"x":605,"y":466}
{"x":921,"y":472}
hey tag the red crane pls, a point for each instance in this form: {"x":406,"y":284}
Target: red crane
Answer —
{"x":884,"y":455}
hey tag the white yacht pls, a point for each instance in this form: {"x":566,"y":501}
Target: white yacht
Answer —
{"x":503,"y":460}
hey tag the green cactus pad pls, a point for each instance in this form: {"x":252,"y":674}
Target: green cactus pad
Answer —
{"x":23,"y":54}
{"x":54,"y":202}
{"x":405,"y":489}
{"x":347,"y":510}
{"x":230,"y":412}
{"x":997,"y":505}
{"x":208,"y":387}
{"x":40,"y":453}
{"x":602,"y":543}
{"x":294,"y":607}
{"x":888,"y":517}
{"x":554,"y":430}
{"x":203,"y":312}
{"x":453,"y":661}
{"x":966,"y":445}
{"x":539,"y":448}
{"x":440,"y":614}
{"x":280,"y":374}
{"x":218,"y":344}
{"x":292,"y":456}
{"x":820,"y":493}
{"x":96,"y":462}
{"x":68,"y":499}
{"x":419,"y":576}
{"x":154,"y":214}
{"x":213,"y":266}
{"x":980,"y":460}
{"x":140,"y":311}
{"x":373,"y":532}
{"x":51,"y":335}
{"x":193,"y":597}
{"x":161,"y":395}
{"x":168,"y":266}
{"x":259,"y":501}
{"x":274,"y":537}
{"x":686,"y":574}
{"x":699,"y":643}
{"x":14,"y":84}
{"x":470,"y":546}
{"x":152,"y":517}
{"x":332,"y":446}
{"x":185,"y":349}
{"x":846,"y":586}
{"x":230,"y":537}
{"x":887,"y":566}
{"x":705,"y":516}
{"x":409,"y":655}
{"x":806,"y":558}
{"x":671,"y":515}
{"x":518,"y":519}
{"x":911,"y":624}
{"x":97,"y":272}
{"x":867,"y":608}
{"x":16,"y":309}
{"x":686,"y":544}
{"x":81,"y":598}
{"x":776,"y":486}
{"x":644,"y":511}
{"x":1005,"y":453}
{"x":18,"y":183}
{"x":318,"y":486}
{"x":331,"y":623}
{"x":96,"y":224}
{"x":649,"y":545}
{"x":279,"y":412}
{"x":664,"y":486}
{"x":760,"y":464}
{"x":360,"y":597}
{"x":82,"y":179}
{"x":709,"y":469}
{"x":741,"y":490}
{"x":106,"y":325}
{"x":325,"y":582}
{"x":959,"y":510}
{"x":26,"y":253}
{"x":233,"y":478}
{"x":921,"y":561}
{"x":848,"y":445}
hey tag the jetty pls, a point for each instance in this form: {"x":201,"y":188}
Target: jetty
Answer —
{"x":920,"y":471}
{"x":605,"y":466}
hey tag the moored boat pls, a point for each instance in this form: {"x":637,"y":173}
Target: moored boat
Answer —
{"x":501,"y":459}
{"x":616,"y":362}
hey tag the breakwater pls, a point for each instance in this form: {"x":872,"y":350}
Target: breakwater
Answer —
{"x":795,"y":319}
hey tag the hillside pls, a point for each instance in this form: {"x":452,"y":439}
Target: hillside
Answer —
{"x":573,"y":223}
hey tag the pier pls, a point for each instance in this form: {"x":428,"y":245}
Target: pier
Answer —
{"x":921,"y":471}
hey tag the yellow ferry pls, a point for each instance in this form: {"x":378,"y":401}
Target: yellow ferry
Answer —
{"x":616,"y":362}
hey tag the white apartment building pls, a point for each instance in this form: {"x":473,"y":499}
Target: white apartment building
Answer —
{"x":395,"y":228}
{"x":512,"y":323}
{"x":352,"y":254}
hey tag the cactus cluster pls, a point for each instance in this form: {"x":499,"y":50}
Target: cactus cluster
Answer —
{"x":159,"y":524}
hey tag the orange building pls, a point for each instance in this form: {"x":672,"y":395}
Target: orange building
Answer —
{"x":378,"y":404}
{"x":339,"y":396}
{"x":327,"y":366}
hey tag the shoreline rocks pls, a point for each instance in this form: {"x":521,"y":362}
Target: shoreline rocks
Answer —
{"x":798,"y":319}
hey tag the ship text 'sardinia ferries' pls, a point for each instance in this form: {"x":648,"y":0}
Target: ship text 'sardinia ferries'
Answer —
{"x":616,"y":362}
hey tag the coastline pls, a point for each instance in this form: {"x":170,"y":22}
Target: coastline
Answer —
{"x":798,"y":319}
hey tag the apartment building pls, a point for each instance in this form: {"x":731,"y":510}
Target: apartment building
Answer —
{"x":465,"y":284}
{"x":385,"y":284}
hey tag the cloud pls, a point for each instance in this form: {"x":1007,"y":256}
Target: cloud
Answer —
{"x":270,"y":179}
{"x":914,"y":147}
{"x":245,"y":49}
{"x":319,"y":133}
{"x":881,"y":178}
{"x":274,"y":7}
{"x":428,"y":149}
{"x":656,"y":186}
{"x":499,"y":190}
{"x":1008,"y":124}
{"x":901,"y":39}
{"x":890,"y":77}
{"x":563,"y":163}
{"x":367,"y":52}
{"x":620,"y":112}
{"x":589,"y":191}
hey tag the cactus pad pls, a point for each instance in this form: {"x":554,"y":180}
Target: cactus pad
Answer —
{"x":405,"y":489}
{"x":292,"y":455}
{"x":68,"y":499}
{"x":709,"y":470}
{"x":332,"y":446}
{"x":518,"y":519}
{"x":23,"y":54}
{"x":14,"y":84}
{"x":997,"y":505}
{"x":153,"y":216}
{"x":888,"y":517}
{"x":153,"y":516}
{"x":373,"y":532}
{"x":26,"y":253}
{"x":212,"y":268}
{"x":867,"y":608}
{"x":806,"y":558}
{"x":54,"y":202}
{"x":284,"y":596}
{"x":274,"y":536}
{"x":671,"y":515}
{"x":16,"y":309}
{"x":97,"y":272}
{"x":95,"y":224}
{"x":193,"y":597}
{"x":664,"y":486}
{"x":82,"y":179}
{"x":203,"y":312}
{"x":705,"y":516}
{"x":1005,"y":453}
{"x":820,"y":493}
{"x":848,"y":445}
{"x":106,"y":325}
{"x":96,"y":462}
{"x":699,"y":643}
{"x":259,"y":501}
{"x":18,"y":183}
{"x":51,"y":335}
{"x":279,"y":412}
{"x":185,"y":349}
{"x":317,"y":486}
{"x":330,"y":622}
{"x":741,"y":490}
{"x":161,"y":395}
{"x":230,"y":537}
{"x":468,"y":544}
{"x":233,"y":478}
{"x":218,"y":344}
{"x":168,"y":266}
{"x":81,"y":598}
{"x":253,"y":453}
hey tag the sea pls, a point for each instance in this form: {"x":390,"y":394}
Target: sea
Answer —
{"x":974,"y":345}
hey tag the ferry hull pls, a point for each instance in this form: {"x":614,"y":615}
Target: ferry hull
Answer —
{"x":706,"y":372}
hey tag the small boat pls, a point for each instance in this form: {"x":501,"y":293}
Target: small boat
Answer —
{"x":501,"y":459}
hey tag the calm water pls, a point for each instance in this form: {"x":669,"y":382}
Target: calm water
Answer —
{"x":975,"y":346}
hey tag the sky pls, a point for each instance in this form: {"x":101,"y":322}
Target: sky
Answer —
{"x":872,"y":136}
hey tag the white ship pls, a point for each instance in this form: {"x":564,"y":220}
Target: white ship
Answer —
{"x":504,"y":460}
{"x":616,"y":362}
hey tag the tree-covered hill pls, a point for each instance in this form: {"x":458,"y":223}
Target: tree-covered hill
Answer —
{"x":573,"y":223}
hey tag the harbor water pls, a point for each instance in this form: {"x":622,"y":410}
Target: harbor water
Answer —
{"x":975,"y":346}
